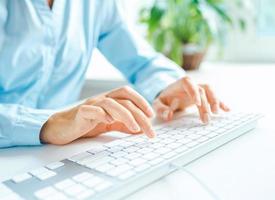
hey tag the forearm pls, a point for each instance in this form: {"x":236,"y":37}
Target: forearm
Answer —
{"x":156,"y":76}
{"x":142,"y":66}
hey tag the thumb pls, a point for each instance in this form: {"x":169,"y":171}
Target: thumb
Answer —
{"x":163,"y":111}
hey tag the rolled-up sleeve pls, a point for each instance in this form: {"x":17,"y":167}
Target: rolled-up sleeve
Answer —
{"x":21,"y":125}
{"x":150,"y":72}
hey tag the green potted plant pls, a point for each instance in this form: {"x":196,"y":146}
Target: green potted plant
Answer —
{"x":184,"y":29}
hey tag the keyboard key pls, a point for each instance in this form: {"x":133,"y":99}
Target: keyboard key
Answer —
{"x":92,"y":182}
{"x":86,"y":194}
{"x":203,"y":132}
{"x":193,"y":136}
{"x":103,"y":186}
{"x":96,"y":150}
{"x":142,"y":167}
{"x":156,"y":145}
{"x":164,"y":135}
{"x":131,"y":149}
{"x":119,"y":170}
{"x":119,"y":154}
{"x":156,"y":161}
{"x":220,"y":131}
{"x":211,"y":135}
{"x":192,"y":144}
{"x":169,"y":155}
{"x":181,"y":149}
{"x":174,"y":145}
{"x":57,"y":196}
{"x":64,"y":184}
{"x":162,"y":150}
{"x":105,"y":167}
{"x":80,"y":156}
{"x":55,"y":165}
{"x":38,"y":171}
{"x":99,"y":161}
{"x":82,"y":176}
{"x":137,"y":162}
{"x":150,"y":156}
{"x":179,"y":137}
{"x":74,"y":190}
{"x":94,"y":158}
{"x":127,"y":175}
{"x":115,"y":149}
{"x":114,"y":143}
{"x":132,"y":156}
{"x":46,"y":175}
{"x":145,"y":150}
{"x":184,"y":140}
{"x":126,"y":144}
{"x":21,"y":177}
{"x":211,"y":128}
{"x":167,"y":141}
{"x":45,"y":192}
{"x":119,"y":161}
{"x":202,"y":139}
{"x":136,"y":139}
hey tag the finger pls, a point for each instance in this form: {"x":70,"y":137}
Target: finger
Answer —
{"x":119,"y":113}
{"x":212,"y":99}
{"x":204,"y":110}
{"x":140,"y":117}
{"x":93,"y":113}
{"x":192,"y":90}
{"x":163,"y":111}
{"x":128,"y":93}
{"x":175,"y":104}
{"x":224,"y":107}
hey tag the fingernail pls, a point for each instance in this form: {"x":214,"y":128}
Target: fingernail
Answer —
{"x":135,"y":128}
{"x":165,"y":114}
{"x":150,"y":112}
{"x":198,"y":102}
{"x":216,"y":109}
{"x":152,"y":133}
{"x":109,"y":119}
{"x":206,"y":117}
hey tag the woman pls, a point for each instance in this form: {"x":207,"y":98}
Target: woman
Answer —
{"x":45,"y":48}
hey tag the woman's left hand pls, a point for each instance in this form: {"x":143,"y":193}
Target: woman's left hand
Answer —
{"x":185,"y":93}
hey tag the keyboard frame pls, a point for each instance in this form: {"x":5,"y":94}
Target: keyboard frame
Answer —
{"x":163,"y":169}
{"x":122,"y":189}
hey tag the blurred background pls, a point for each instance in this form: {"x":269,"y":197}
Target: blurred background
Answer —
{"x":230,"y":30}
{"x":199,"y":33}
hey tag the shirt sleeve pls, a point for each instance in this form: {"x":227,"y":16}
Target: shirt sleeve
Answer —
{"x":150,"y":72}
{"x":20,"y":125}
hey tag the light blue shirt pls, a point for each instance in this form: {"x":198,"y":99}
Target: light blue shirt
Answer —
{"x":44,"y":56}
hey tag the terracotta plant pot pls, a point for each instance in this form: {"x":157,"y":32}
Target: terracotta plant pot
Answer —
{"x":192,"y":57}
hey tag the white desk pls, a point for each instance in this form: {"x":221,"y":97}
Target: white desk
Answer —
{"x":242,"y":169}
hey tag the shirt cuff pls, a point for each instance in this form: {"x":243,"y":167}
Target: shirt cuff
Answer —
{"x":26,"y":129}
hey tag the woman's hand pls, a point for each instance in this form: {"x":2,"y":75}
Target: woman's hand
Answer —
{"x":184,"y":93}
{"x":120,"y":110}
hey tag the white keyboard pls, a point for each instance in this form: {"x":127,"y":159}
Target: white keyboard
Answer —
{"x":120,"y":167}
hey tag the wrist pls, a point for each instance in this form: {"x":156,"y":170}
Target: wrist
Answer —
{"x":45,"y":133}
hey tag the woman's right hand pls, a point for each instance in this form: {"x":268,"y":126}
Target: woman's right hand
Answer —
{"x":122,"y":110}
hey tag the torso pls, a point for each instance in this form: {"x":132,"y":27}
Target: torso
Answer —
{"x":44,"y":54}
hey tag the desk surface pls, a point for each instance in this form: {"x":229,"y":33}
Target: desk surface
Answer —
{"x":242,"y":169}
